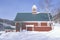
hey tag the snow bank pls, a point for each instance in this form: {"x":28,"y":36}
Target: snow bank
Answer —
{"x":55,"y":33}
{"x":25,"y":36}
{"x":20,"y":36}
{"x":28,"y":35}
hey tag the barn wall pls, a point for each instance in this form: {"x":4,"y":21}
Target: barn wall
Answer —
{"x":42,"y":27}
{"x":17,"y":27}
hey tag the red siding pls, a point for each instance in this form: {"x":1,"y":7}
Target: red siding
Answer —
{"x":23,"y":28}
{"x":17,"y":27}
{"x":29,"y":28}
{"x":43,"y":27}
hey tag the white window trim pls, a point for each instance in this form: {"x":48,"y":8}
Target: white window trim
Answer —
{"x":48,"y":24}
{"x":29,"y":25}
{"x":39,"y":24}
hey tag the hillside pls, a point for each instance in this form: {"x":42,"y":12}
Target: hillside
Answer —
{"x":10,"y":22}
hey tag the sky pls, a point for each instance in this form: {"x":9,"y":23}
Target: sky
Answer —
{"x":10,"y":8}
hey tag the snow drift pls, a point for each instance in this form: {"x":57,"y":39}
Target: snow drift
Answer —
{"x":31,"y":35}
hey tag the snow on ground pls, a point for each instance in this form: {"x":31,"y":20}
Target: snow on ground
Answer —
{"x":2,"y":32}
{"x":28,"y":35}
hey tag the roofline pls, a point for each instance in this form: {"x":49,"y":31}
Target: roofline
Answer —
{"x":31,"y":12}
{"x":28,"y":13}
{"x":32,"y":21}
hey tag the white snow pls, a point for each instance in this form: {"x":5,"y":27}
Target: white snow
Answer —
{"x":31,"y":35}
{"x":55,"y":32}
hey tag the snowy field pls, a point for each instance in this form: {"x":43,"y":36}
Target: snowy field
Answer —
{"x":28,"y":35}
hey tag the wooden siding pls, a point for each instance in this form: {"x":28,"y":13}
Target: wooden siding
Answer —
{"x":24,"y":28}
{"x":42,"y":27}
{"x":17,"y":27}
{"x":29,"y":28}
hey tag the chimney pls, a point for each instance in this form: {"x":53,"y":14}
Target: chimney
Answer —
{"x":34,"y":9}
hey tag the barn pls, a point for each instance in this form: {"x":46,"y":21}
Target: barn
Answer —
{"x":34,"y":21}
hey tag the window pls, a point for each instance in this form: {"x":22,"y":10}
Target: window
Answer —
{"x":43,"y":24}
{"x":30,"y":27}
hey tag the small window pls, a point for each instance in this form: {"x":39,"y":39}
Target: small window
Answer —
{"x":43,"y":24}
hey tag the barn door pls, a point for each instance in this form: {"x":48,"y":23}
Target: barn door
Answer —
{"x":17,"y":27}
{"x":29,"y":27}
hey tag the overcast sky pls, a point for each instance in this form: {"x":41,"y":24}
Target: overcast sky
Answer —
{"x":9,"y":8}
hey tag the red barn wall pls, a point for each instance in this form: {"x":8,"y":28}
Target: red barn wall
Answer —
{"x":42,"y":27}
